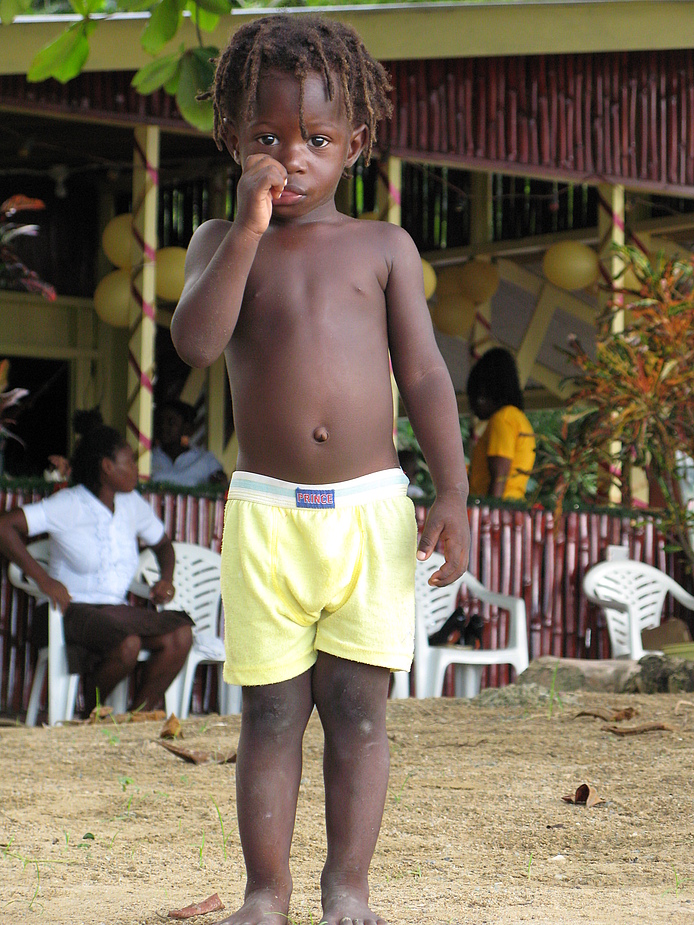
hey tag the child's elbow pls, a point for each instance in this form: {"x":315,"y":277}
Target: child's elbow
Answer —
{"x":195,"y":356}
{"x":190,"y":346}
{"x":192,"y":351}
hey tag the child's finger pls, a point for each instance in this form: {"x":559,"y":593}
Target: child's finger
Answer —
{"x":276,"y":191}
{"x":430,"y":535}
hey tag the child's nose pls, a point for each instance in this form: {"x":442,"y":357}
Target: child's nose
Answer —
{"x":293,"y":157}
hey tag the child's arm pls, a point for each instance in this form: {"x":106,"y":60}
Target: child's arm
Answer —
{"x":218,"y":262}
{"x":427,"y":393}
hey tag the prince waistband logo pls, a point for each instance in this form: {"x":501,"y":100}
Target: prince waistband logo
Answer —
{"x":310,"y":497}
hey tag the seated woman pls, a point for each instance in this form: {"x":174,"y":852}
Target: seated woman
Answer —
{"x":95,"y":530}
{"x":504,"y":454}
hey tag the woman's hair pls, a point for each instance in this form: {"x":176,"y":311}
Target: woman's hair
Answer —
{"x":97,"y":442}
{"x":299,"y":44}
{"x":495,"y":376}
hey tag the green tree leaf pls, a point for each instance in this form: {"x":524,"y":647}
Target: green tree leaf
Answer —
{"x":157,"y":73}
{"x":65,"y":57}
{"x":171,"y":86}
{"x":202,"y":18}
{"x":195,"y":76}
{"x":163,"y":25}
{"x":135,"y":6}
{"x":85,"y":8}
{"x":11,"y":8}
{"x":220,"y":7}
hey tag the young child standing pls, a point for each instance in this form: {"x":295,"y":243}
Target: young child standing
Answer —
{"x":319,"y":536}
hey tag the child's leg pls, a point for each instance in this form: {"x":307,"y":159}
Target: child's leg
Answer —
{"x":351,"y":700}
{"x":268,"y":772}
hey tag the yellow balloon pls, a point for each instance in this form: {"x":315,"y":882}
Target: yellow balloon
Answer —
{"x":117,"y":240}
{"x":429,"y":279}
{"x":478,"y":280}
{"x":571,"y":265}
{"x":112,"y":298}
{"x":454,"y":315}
{"x":170,"y":265}
{"x":448,"y":280}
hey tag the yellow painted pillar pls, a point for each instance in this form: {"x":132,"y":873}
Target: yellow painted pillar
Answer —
{"x":389,"y":191}
{"x":481,"y":217}
{"x":611,"y":232}
{"x":142,"y":327}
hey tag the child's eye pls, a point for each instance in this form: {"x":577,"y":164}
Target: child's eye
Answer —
{"x":267,"y":139}
{"x":318,"y":141}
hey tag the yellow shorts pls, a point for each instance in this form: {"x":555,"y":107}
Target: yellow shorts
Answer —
{"x":325,"y":568}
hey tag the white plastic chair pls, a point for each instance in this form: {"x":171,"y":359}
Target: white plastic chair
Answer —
{"x":433,"y":605}
{"x":62,"y":685}
{"x":631,"y":595}
{"x":197,"y":583}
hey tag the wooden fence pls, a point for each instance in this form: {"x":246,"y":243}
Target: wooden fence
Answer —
{"x":617,"y":118}
{"x":520,"y":552}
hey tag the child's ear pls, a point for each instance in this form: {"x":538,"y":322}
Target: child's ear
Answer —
{"x":357,"y":142}
{"x":231,"y":140}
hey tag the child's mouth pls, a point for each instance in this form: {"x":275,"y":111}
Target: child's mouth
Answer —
{"x":289,"y":196}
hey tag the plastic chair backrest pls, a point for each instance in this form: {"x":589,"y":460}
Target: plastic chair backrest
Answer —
{"x":433,"y":605}
{"x":635,"y":585}
{"x":197,"y":583}
{"x":39,"y":551}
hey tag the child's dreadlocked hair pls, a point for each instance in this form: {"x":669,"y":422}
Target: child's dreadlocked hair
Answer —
{"x":298,"y":44}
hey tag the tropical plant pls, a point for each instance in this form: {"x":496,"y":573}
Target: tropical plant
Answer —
{"x":633,"y":404}
{"x":9,"y":398}
{"x":13,"y":273}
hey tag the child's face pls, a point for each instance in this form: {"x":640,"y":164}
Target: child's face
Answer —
{"x":314,"y":164}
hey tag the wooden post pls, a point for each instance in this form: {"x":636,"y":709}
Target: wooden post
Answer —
{"x":611,"y":233}
{"x":481,"y":215}
{"x":389,"y":190}
{"x":142,"y":327}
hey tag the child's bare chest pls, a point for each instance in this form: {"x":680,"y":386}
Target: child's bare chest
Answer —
{"x":314,"y":282}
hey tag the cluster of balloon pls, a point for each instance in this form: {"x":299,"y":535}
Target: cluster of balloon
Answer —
{"x":459,"y":290}
{"x":571,"y":265}
{"x":112,"y":295}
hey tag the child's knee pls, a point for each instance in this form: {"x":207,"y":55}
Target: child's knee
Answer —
{"x":274,"y":711}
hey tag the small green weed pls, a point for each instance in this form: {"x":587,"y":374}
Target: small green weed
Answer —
{"x":680,"y":883}
{"x":398,"y":796}
{"x":552,"y":693}
{"x":225,"y":838}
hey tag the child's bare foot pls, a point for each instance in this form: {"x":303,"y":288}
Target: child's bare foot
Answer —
{"x":344,"y":907}
{"x":261,"y":907}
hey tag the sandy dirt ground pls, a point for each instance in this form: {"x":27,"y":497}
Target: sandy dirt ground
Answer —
{"x":99,"y":824}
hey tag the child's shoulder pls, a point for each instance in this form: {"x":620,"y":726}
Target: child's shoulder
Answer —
{"x":212,"y":228}
{"x":386,"y":233}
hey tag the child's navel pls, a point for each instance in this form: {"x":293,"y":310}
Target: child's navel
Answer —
{"x":320,"y":434}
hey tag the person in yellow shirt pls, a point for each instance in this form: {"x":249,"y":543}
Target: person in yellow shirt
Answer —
{"x":504,"y":454}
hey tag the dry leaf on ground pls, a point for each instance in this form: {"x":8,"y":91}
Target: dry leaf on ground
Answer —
{"x":585,"y":796}
{"x":635,"y":730}
{"x":197,"y":756}
{"x":172,"y":728}
{"x":211,"y":904}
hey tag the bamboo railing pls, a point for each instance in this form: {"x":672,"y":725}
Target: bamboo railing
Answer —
{"x":526,"y":553}
{"x":618,"y":118}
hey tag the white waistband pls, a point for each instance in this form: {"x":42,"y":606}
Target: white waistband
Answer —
{"x":248,"y":486}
